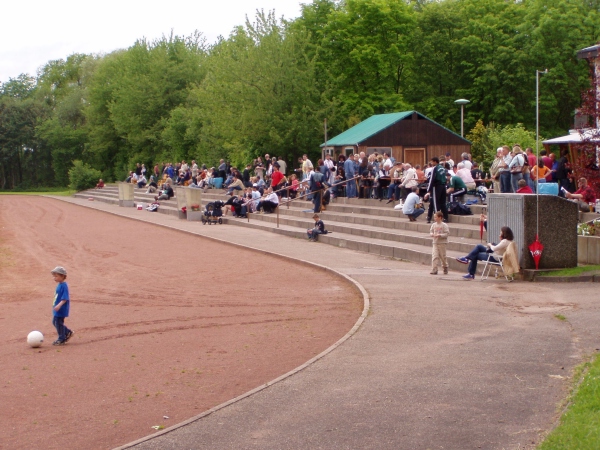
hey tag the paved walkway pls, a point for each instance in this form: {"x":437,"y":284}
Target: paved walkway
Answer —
{"x":438,"y":363}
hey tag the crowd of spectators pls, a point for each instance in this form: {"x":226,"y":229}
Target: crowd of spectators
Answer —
{"x":264,"y":182}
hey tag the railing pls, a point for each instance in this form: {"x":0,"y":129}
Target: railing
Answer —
{"x":306,"y":194}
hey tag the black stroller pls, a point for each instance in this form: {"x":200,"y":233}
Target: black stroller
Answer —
{"x":213,"y":213}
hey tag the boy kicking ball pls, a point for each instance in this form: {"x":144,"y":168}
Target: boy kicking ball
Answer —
{"x":60,"y":306}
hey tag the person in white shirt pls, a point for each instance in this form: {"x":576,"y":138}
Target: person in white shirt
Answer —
{"x":481,"y":252}
{"x":331,"y":166}
{"x":269,"y":203}
{"x":464,"y":174}
{"x":465,"y":160}
{"x":409,"y":180}
{"x":141,"y":181}
{"x":387,"y":162}
{"x":410,"y":208}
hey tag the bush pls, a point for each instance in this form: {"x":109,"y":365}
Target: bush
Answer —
{"x":82,"y":176}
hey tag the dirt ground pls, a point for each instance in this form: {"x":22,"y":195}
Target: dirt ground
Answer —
{"x":167,"y":324}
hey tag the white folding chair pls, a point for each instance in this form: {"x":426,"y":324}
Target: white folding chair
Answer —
{"x":498,"y":262}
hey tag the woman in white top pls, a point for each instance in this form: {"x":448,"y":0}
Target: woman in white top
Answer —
{"x":481,"y":252}
{"x":465,"y":175}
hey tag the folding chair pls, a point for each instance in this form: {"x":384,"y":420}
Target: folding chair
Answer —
{"x":498,"y":263}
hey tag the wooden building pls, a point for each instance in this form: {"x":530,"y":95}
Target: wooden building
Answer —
{"x":408,"y":136}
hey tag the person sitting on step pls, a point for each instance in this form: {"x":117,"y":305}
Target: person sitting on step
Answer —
{"x":413,"y":207}
{"x":457,"y":187}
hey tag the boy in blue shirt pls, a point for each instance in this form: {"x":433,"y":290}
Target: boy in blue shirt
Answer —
{"x":60,"y":306}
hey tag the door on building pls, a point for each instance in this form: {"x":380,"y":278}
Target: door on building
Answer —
{"x":414,"y":156}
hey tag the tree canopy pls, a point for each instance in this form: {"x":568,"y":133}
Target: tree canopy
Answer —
{"x":268,"y":86}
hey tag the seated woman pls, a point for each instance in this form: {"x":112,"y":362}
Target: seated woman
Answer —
{"x":482,"y":252}
{"x":100,"y":184}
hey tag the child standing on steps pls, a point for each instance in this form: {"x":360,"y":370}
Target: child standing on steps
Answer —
{"x":439,"y":232}
{"x":60,"y":306}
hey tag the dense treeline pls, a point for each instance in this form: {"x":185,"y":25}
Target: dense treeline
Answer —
{"x":269,"y":85}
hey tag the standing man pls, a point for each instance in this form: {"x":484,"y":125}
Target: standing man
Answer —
{"x":222,"y":169}
{"x":316,"y":183}
{"x":449,"y":159}
{"x":246,"y":176}
{"x":277,"y":179}
{"x":350,"y":173}
{"x":282,"y":166}
{"x":436,"y":190}
{"x":307,"y":166}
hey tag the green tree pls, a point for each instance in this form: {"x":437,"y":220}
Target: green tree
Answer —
{"x":259,"y":96}
{"x":61,"y":87}
{"x":132,"y":95}
{"x":23,"y":161}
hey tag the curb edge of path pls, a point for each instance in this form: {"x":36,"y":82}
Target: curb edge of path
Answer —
{"x":348,"y":335}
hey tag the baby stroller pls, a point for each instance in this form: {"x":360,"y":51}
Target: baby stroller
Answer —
{"x":213,"y":213}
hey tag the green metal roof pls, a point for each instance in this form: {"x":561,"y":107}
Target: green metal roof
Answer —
{"x":367,"y":128}
{"x":373,"y":125}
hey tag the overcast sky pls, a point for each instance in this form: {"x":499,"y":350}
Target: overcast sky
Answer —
{"x":36,"y":31}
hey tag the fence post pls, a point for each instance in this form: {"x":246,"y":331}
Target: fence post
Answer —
{"x":277,"y":216}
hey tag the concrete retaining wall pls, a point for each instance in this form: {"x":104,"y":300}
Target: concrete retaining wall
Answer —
{"x":588,"y":250}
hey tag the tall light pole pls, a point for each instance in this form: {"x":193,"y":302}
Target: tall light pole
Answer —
{"x":462,"y":102}
{"x":537,"y":144}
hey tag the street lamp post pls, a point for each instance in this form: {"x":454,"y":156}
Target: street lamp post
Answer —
{"x":462,"y":102}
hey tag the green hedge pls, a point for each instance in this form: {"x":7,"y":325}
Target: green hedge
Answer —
{"x":82,"y":176}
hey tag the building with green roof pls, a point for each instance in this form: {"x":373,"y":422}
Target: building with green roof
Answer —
{"x":407,"y":136}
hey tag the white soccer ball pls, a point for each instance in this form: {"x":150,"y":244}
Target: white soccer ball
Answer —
{"x":35,"y":339}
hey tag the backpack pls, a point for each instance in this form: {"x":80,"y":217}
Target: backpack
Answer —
{"x":458,"y":209}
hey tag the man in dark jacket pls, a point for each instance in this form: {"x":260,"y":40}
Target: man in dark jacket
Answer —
{"x":436,"y":190}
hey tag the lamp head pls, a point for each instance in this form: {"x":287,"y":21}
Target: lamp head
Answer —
{"x":461,"y":101}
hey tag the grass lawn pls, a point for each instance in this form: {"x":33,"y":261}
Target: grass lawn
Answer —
{"x":44,"y":191}
{"x":579,"y":427}
{"x":571,"y":272}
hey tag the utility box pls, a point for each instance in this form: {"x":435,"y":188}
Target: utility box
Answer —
{"x":180,"y":197}
{"x":126,"y":194}
{"x":193,"y":199}
{"x":553,"y":218}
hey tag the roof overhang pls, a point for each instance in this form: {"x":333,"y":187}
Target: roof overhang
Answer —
{"x":575,"y":137}
{"x":589,"y":52}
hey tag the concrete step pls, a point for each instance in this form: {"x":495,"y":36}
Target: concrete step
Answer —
{"x":462,"y":245}
{"x":399,"y":250}
{"x":365,"y":226}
